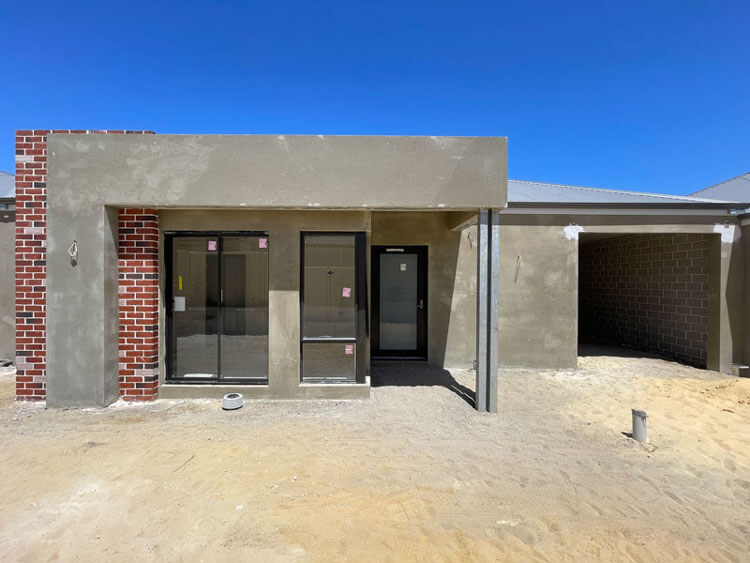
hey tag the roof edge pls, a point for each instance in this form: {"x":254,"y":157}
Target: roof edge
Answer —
{"x":669,"y":197}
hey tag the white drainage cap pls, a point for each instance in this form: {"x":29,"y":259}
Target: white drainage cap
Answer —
{"x":232,"y":401}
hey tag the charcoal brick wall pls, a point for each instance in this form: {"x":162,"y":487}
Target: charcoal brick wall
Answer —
{"x":647,"y":292}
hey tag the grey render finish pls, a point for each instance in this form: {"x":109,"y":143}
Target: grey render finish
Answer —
{"x":539,"y":264}
{"x":89,"y":176}
{"x":280,"y":171}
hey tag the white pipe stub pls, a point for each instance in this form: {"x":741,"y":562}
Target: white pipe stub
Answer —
{"x":232,"y":401}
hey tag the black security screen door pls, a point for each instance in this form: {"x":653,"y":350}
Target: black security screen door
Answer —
{"x":399,"y":305}
{"x":217,"y":321}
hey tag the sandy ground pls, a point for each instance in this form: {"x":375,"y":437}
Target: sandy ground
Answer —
{"x":412,"y":474}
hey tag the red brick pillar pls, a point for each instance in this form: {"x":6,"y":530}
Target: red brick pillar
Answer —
{"x":138,"y":257}
{"x":31,"y":259}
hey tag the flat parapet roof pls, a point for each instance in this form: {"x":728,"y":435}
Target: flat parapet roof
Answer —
{"x":280,"y":171}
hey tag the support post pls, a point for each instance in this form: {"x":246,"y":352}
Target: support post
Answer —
{"x":493,"y":310}
{"x":482,"y":293}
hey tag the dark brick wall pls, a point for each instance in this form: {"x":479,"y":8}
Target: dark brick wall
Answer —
{"x":646,"y":292}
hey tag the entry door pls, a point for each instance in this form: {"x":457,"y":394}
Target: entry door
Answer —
{"x":399,"y":310}
{"x":218,"y":307}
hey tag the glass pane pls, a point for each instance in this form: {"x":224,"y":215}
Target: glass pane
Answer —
{"x":329,"y":307}
{"x":244,"y":340}
{"x":398,"y":301}
{"x":328,"y":361}
{"x":195,"y":307}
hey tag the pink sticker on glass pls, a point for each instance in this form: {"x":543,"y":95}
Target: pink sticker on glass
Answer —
{"x":346,"y":292}
{"x":212,"y":246}
{"x":349,"y":349}
{"x":262,"y":243}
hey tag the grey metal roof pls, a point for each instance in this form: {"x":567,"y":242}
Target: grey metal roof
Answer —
{"x":7,"y":186}
{"x":520,"y":191}
{"x":734,"y":189}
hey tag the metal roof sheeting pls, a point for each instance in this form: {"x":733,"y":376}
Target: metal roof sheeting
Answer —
{"x":520,"y":191}
{"x":735,"y":189}
{"x":7,"y":186}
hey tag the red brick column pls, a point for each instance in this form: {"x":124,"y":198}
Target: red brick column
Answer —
{"x":31,"y":256}
{"x":31,"y":260}
{"x":138,"y":257}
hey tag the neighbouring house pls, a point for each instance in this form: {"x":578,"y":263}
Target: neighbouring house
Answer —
{"x":285,"y":266}
{"x":7,"y":267}
{"x":737,"y":189}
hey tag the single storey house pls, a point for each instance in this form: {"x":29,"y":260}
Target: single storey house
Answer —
{"x":284,"y":266}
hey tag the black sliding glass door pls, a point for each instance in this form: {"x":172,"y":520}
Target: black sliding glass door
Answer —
{"x":217,"y":322}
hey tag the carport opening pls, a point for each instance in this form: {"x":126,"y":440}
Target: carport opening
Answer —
{"x":644,"y":293}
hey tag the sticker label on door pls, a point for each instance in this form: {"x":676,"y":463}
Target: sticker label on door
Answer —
{"x":179,"y":304}
{"x":212,"y":246}
{"x":403,"y":266}
{"x":262,"y":243}
{"x":349,"y":349}
{"x":346,"y":292}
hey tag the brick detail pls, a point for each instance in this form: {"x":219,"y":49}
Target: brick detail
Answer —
{"x":138,"y":261}
{"x":31,"y":256}
{"x":647,"y":292}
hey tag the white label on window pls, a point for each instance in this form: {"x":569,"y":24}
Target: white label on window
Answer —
{"x":179,"y":304}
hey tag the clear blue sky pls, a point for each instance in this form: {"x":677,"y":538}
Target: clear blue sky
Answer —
{"x":637,"y":95}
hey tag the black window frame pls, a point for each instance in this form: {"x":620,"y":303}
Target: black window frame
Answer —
{"x":170,"y":338}
{"x":360,"y":307}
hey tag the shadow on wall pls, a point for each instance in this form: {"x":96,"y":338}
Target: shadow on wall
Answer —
{"x":419,"y":376}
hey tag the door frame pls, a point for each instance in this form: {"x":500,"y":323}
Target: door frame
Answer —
{"x":420,"y":352}
{"x":171,"y":338}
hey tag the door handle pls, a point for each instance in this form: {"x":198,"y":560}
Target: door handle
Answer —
{"x":420,"y":305}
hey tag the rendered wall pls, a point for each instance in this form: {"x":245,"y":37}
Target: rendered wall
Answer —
{"x":279,"y":171}
{"x":451,"y":280}
{"x":284,"y":241}
{"x":7,"y":285}
{"x":538,"y":296}
{"x":539,"y":284}
{"x":90,"y":175}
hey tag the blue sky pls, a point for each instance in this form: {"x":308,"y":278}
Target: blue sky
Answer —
{"x":652,"y":96}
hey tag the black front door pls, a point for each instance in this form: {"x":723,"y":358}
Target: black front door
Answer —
{"x":399,"y":308}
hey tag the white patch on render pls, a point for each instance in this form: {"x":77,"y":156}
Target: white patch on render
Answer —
{"x":571,"y":231}
{"x":726,"y":232}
